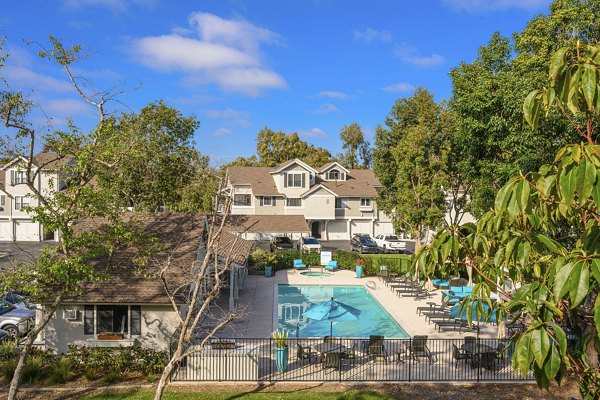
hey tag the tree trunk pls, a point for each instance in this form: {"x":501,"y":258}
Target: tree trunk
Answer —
{"x":14,"y":383}
{"x":162,"y":383}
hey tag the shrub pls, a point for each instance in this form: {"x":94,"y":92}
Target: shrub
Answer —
{"x":8,"y":368}
{"x":8,"y":350}
{"x":32,"y":370}
{"x":111,"y":377}
{"x":91,"y":374}
{"x":61,"y":371}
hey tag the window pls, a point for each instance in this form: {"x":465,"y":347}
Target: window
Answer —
{"x":365,"y":202}
{"x":293,"y":202}
{"x":19,"y":177}
{"x":136,"y":320}
{"x":294,"y":180}
{"x":2,"y":200}
{"x":339,"y":203}
{"x":88,"y":320}
{"x":267,"y":201}
{"x":111,"y":319}
{"x":21,"y":201}
{"x":242,"y":200}
{"x":334,"y":174}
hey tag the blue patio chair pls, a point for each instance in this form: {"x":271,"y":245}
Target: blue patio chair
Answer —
{"x":299,"y":265}
{"x":331,"y":265}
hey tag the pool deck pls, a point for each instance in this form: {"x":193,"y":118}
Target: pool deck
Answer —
{"x":259,"y":295}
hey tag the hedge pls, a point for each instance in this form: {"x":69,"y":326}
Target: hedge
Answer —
{"x":346,"y":260}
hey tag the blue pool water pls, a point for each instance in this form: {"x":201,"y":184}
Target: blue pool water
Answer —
{"x":294,"y":300}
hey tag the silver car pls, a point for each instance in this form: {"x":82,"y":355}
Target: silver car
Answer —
{"x":16,"y":321}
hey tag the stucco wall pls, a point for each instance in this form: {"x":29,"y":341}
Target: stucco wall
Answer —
{"x":158,"y":324}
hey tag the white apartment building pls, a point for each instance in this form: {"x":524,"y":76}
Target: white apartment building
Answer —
{"x":15,"y":223}
{"x":336,"y":202}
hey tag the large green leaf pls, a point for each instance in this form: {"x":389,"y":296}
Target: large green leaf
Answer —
{"x":597,"y":315}
{"x":552,"y":364}
{"x":595,"y":267}
{"x":531,"y":108}
{"x":522,"y":195}
{"x":557,"y":62}
{"x":549,"y":243}
{"x":573,"y":97}
{"x":586,"y":178}
{"x":560,"y":280}
{"x":567,"y":180}
{"x":540,"y":343}
{"x":523,"y":252}
{"x":522,"y":354}
{"x":503,"y":197}
{"x":596,"y":191}
{"x":579,"y":282}
{"x":588,"y":86}
{"x":561,"y":338}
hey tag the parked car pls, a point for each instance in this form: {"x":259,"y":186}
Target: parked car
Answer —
{"x":363,"y":244}
{"x":17,"y":300}
{"x":281,"y":243}
{"x":15,"y":321}
{"x":309,"y":244}
{"x":390,"y":244}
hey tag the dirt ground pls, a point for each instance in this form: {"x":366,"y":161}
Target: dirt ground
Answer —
{"x":408,"y":391}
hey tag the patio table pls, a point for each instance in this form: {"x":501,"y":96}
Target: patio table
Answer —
{"x":331,"y":347}
{"x":479,"y":353}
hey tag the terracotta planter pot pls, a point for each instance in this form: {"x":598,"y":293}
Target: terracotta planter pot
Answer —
{"x":110,"y":336}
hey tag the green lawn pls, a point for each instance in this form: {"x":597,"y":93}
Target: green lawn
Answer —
{"x":300,"y":395}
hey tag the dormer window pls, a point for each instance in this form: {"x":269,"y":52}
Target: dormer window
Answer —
{"x":294,"y":180}
{"x":335,"y":175}
{"x":18,"y":177}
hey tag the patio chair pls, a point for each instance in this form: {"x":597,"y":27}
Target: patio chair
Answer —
{"x":299,"y":265}
{"x":500,"y":351}
{"x":384,"y":274}
{"x":470,"y":339}
{"x":332,"y":360}
{"x":350,"y":356}
{"x":376,"y":348}
{"x":443,"y":306}
{"x":304,"y":353}
{"x":458,"y":354}
{"x":328,"y":339}
{"x":331,"y":265}
{"x":418,"y":348}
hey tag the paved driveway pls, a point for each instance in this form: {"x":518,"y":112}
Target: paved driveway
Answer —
{"x":25,"y":252}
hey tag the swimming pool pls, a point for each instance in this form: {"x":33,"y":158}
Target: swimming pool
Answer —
{"x":294,"y":300}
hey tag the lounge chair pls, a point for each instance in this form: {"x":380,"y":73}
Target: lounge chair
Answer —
{"x":418,"y":348}
{"x":376,"y":348}
{"x":299,"y":265}
{"x":443,"y":306}
{"x":458,"y":354}
{"x":331,"y":265}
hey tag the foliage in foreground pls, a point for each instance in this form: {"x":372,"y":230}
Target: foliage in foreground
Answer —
{"x":543,"y":237}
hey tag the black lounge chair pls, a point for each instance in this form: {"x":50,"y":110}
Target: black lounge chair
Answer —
{"x":458,"y":354}
{"x":377,"y":349}
{"x":443,"y":306}
{"x":332,"y":360}
{"x":418,"y":348}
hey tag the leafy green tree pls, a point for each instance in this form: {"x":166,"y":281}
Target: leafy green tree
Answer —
{"x":160,"y":160}
{"x":409,"y":161}
{"x":59,"y":271}
{"x":199,"y":193}
{"x":358,"y":151}
{"x":274,"y":148}
{"x":543,"y":234}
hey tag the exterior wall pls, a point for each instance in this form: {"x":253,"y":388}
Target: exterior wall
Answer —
{"x":292,"y":191}
{"x":319,"y":205}
{"x":353,"y":209}
{"x":158,"y":324}
{"x":276,"y":209}
{"x":243,"y":210}
{"x":5,"y":210}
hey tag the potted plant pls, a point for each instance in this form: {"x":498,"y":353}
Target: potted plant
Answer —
{"x":110,"y":336}
{"x":281,"y":349}
{"x":270,"y":259}
{"x":359,"y":267}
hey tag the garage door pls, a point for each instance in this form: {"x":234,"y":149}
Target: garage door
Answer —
{"x":361,"y":227}
{"x":385,"y":228}
{"x":336,"y":230}
{"x":6,"y":232}
{"x":27,"y":231}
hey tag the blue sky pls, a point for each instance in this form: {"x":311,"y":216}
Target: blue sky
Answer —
{"x":306,"y":66}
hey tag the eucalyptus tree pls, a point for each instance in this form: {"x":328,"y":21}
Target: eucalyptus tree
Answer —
{"x":274,"y":148}
{"x":543,"y":234}
{"x":358,"y":153}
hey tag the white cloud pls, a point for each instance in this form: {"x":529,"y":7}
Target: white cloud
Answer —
{"x":65,"y":107}
{"x":222,"y":132}
{"x":481,"y":6}
{"x":326,"y":109}
{"x":217,"y":51}
{"x":18,"y":71}
{"x":332,"y":94}
{"x":313,"y":133}
{"x":399,"y":87}
{"x":410,"y":55}
{"x":233,"y":117}
{"x":369,"y":35}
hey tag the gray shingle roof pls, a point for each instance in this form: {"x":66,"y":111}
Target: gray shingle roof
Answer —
{"x":267,"y":223}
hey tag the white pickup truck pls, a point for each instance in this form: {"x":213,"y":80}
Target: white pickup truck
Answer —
{"x":390,"y":244}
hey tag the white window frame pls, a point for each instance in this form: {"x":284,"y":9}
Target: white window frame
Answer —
{"x":291,"y":179}
{"x":267,"y":201}
{"x":287,"y":202}
{"x":20,"y":202}
{"x":20,"y":177}
{"x":235,"y":203}
{"x":366,"y":202}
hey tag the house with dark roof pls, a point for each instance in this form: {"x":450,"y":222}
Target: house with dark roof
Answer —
{"x":131,"y":306}
{"x":335,"y":202}
{"x":49,"y":176}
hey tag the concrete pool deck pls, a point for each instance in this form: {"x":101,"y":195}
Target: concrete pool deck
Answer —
{"x":259,"y":296}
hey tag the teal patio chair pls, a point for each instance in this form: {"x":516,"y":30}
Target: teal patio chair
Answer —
{"x":331,"y":265}
{"x":299,"y":265}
